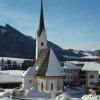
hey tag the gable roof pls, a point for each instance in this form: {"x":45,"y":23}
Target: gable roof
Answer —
{"x":47,"y":64}
{"x":91,"y":66}
{"x":30,"y":72}
{"x":54,"y":67}
{"x":41,"y":64}
{"x":69,"y":65}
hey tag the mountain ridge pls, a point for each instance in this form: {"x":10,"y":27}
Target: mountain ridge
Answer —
{"x":13,"y":43}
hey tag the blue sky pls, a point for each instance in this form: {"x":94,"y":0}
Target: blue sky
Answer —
{"x":69,"y":23}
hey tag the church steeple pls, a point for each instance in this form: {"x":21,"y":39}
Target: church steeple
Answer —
{"x":41,"y":22}
{"x":41,"y":38}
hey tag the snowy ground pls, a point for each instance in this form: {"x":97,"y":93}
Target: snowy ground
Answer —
{"x":33,"y":94}
{"x":11,"y":76}
{"x":91,"y":97}
{"x":12,"y":72}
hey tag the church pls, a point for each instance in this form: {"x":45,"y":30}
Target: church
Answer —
{"x":47,"y":73}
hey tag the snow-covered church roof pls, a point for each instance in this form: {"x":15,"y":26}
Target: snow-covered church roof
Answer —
{"x":47,"y":64}
{"x":30,"y":72}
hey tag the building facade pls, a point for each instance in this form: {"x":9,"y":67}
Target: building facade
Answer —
{"x":71,"y":73}
{"x":92,"y":74}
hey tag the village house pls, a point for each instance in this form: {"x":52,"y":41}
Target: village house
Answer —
{"x":92,"y":74}
{"x":71,"y":73}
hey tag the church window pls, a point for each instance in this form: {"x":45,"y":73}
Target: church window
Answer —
{"x":51,"y":86}
{"x":42,"y":86}
{"x":30,"y":81}
{"x":41,"y":43}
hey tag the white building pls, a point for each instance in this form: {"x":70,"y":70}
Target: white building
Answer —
{"x":47,"y":73}
{"x":71,"y":72}
{"x":92,"y":73}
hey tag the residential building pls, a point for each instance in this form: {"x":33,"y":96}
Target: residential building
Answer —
{"x":92,"y":74}
{"x":71,"y":73}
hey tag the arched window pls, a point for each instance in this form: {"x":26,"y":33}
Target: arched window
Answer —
{"x":30,"y":81}
{"x":51,"y":86}
{"x":42,"y":86}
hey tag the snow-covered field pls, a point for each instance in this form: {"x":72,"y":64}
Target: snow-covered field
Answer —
{"x":12,"y":72}
{"x":10,"y":76}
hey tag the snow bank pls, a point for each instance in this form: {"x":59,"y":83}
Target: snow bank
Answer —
{"x":6,"y":78}
{"x":6,"y":93}
{"x":65,"y":96}
{"x":91,"y":97}
{"x":36,"y":94}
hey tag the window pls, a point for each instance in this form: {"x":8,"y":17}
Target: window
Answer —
{"x":42,"y":43}
{"x":91,"y":76}
{"x":68,"y":71}
{"x":42,"y":86}
{"x":91,"y":83}
{"x":75,"y":70}
{"x":30,"y":81}
{"x":71,"y":77}
{"x":51,"y":86}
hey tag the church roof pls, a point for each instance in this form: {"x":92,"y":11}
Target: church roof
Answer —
{"x":41,"y":23}
{"x":30,"y":72}
{"x":42,"y":62}
{"x":47,"y":64}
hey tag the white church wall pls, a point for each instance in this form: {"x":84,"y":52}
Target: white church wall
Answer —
{"x":41,"y":84}
{"x":61,"y":84}
{"x":29,"y":82}
{"x":50,"y":83}
{"x":41,"y":43}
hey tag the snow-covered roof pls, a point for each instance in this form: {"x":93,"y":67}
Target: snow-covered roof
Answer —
{"x":6,"y":78}
{"x":76,"y":62}
{"x":69,"y":65}
{"x":54,"y":67}
{"x":91,"y":66}
{"x":30,"y":72}
{"x":48,"y":64}
{"x":13,"y":72}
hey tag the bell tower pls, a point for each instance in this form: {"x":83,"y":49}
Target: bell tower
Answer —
{"x":41,"y":38}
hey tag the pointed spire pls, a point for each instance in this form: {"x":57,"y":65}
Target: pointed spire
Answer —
{"x":41,"y":23}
